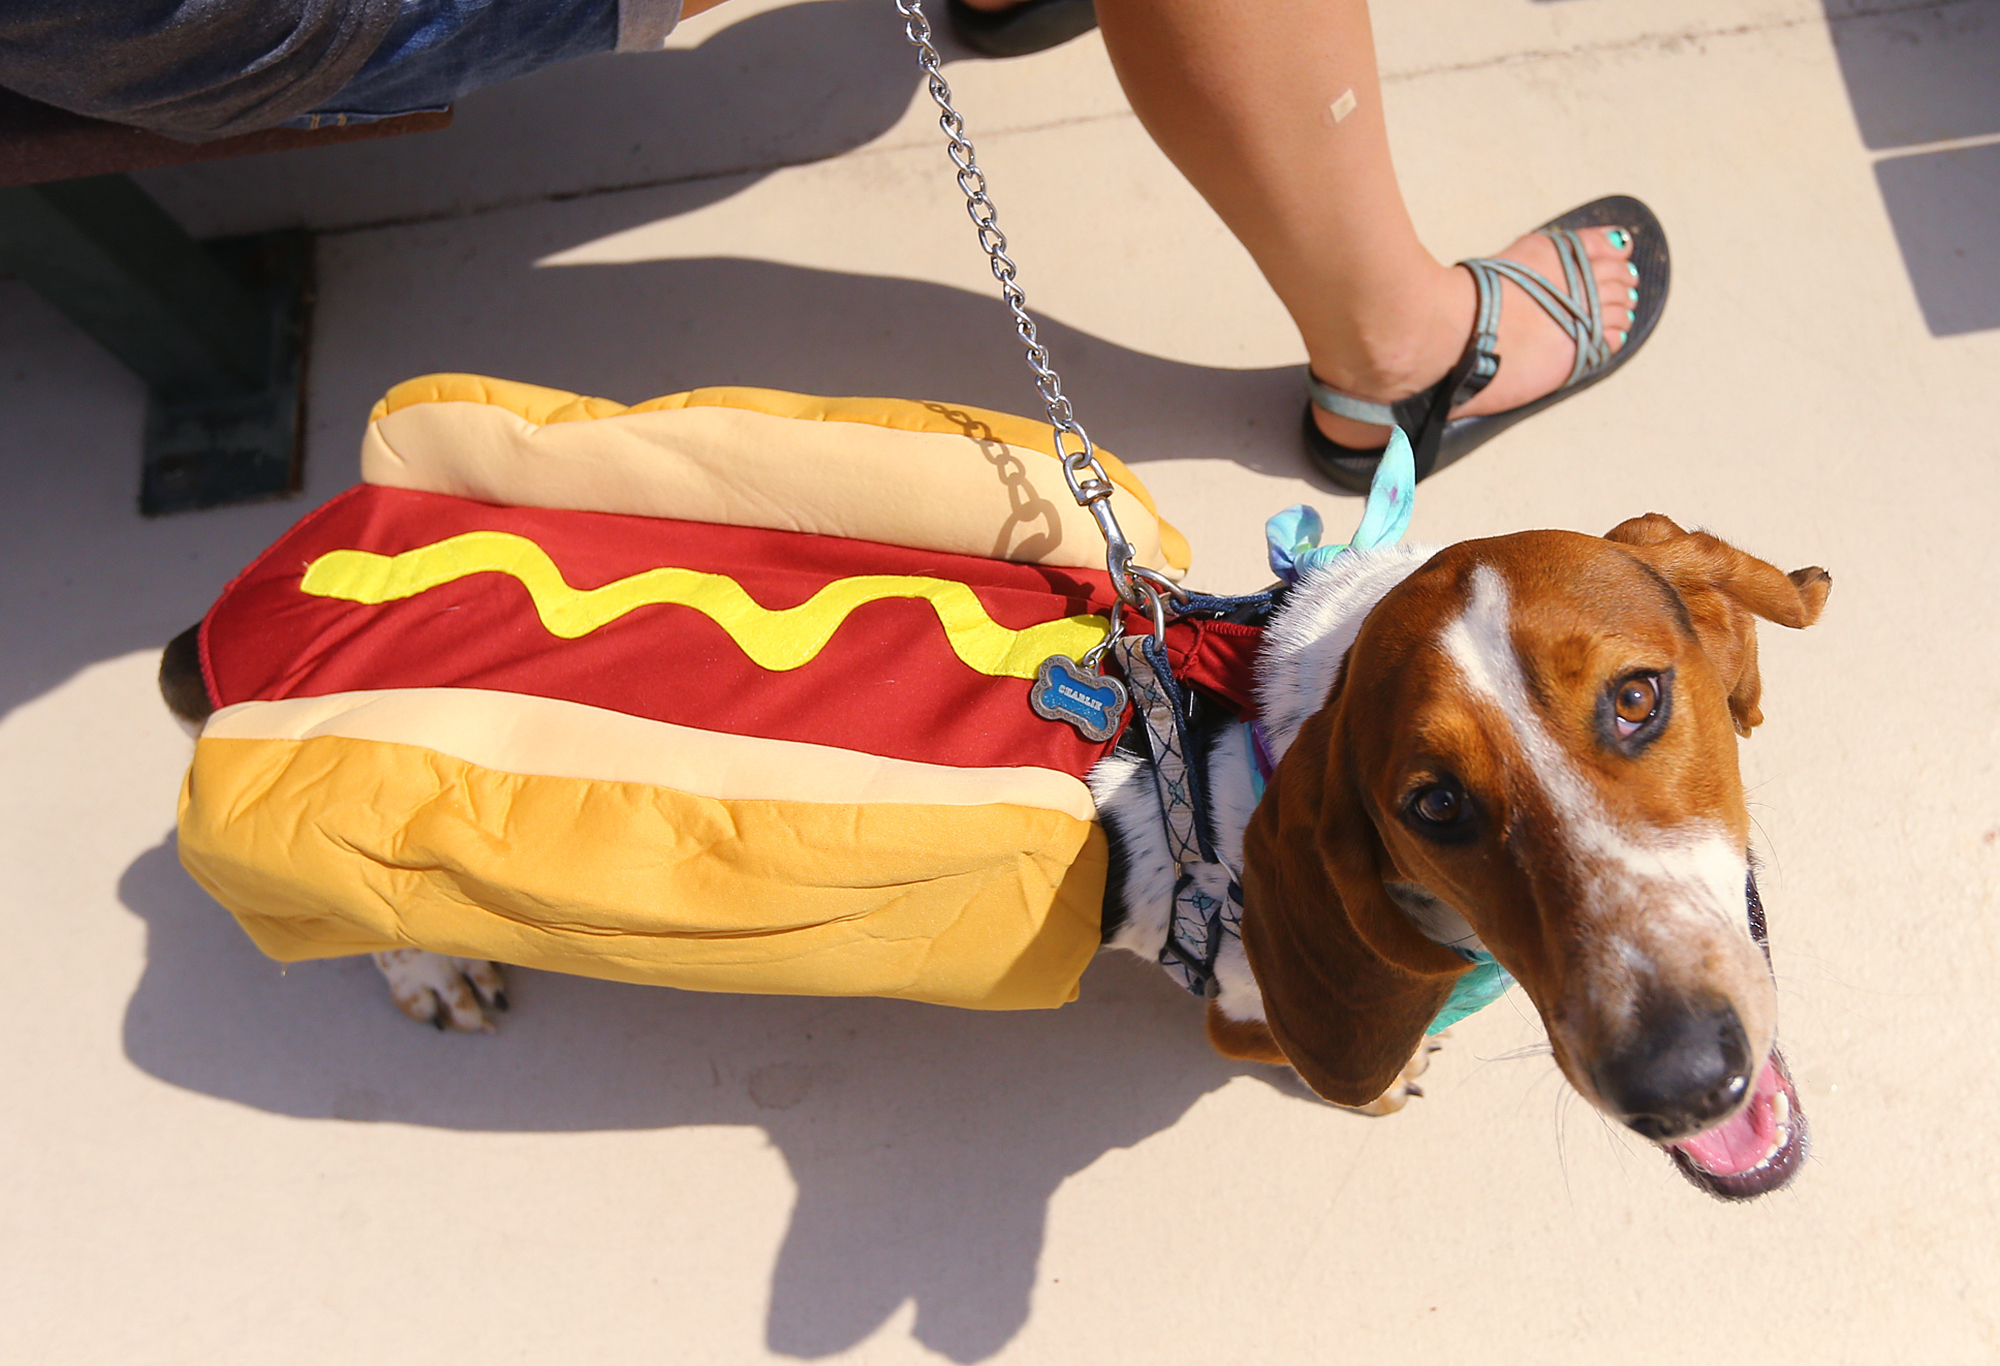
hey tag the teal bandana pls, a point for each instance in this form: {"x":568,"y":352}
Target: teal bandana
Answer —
{"x":1473,"y":992}
{"x":1294,"y":533}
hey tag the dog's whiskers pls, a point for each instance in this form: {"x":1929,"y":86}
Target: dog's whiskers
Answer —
{"x":1532,"y":1050}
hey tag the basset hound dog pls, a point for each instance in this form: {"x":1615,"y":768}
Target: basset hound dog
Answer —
{"x":1522,"y":747}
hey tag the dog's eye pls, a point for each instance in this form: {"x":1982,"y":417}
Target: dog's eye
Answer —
{"x":1636,"y":702}
{"x":1442,"y":811}
{"x":1438,"y":805}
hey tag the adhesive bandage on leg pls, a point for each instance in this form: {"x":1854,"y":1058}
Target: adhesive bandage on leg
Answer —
{"x":1338,"y":111}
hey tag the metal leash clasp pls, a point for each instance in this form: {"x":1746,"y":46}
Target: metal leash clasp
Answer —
{"x":1137,"y":586}
{"x":1092,"y":488}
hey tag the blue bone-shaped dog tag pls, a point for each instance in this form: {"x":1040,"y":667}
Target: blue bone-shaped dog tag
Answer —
{"x":1066,"y":691}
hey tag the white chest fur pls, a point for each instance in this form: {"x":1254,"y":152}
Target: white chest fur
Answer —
{"x":1304,"y":647}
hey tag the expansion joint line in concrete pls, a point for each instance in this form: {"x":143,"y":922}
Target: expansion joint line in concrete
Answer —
{"x":1921,"y":149}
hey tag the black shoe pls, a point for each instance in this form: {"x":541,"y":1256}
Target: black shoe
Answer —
{"x":1031,"y":26}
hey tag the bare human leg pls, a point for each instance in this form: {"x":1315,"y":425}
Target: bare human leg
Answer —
{"x":1273,"y":110}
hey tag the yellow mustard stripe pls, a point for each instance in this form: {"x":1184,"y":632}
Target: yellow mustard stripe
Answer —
{"x":777,"y":641}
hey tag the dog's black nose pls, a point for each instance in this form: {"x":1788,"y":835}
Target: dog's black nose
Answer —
{"x":1687,"y":1066}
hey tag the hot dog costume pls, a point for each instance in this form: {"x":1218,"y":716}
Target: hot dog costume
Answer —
{"x":726,"y":691}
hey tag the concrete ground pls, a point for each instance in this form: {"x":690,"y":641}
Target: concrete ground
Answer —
{"x":210,"y":1161}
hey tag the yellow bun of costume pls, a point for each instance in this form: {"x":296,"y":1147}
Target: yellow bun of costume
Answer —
{"x":503,"y":700}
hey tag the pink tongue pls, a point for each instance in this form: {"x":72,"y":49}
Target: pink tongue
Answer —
{"x":1740,"y":1143}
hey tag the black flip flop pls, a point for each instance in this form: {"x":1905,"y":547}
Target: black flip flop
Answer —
{"x":1436,"y":441}
{"x":1031,"y":26}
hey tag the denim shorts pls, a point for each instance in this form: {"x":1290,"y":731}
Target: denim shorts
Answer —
{"x":440,"y":50}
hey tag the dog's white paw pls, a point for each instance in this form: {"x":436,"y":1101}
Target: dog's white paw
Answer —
{"x":450,"y":993}
{"x":1398,"y":1095}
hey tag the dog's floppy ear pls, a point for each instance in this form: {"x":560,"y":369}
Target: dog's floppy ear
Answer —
{"x":1722,"y":588}
{"x":1349,"y":984}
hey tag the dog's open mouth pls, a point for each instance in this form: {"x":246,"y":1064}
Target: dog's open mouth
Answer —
{"x":1758,"y":1149}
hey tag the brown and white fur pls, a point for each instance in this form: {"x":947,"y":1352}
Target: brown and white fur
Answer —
{"x":1603,"y":861}
{"x":1601,"y":857}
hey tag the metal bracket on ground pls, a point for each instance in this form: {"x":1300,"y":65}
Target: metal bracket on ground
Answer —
{"x":217,"y":332}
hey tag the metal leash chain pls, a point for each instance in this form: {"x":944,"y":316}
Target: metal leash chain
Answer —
{"x":1144,"y":588}
{"x":1207,"y":898}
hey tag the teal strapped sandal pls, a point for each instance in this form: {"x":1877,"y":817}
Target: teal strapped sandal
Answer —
{"x":1436,"y":438}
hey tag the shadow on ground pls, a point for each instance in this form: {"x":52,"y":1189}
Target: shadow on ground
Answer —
{"x":1917,"y":77}
{"x":632,"y":331}
{"x":925,"y":1143}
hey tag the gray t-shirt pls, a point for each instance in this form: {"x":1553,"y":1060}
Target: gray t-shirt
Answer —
{"x":193,"y":69}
